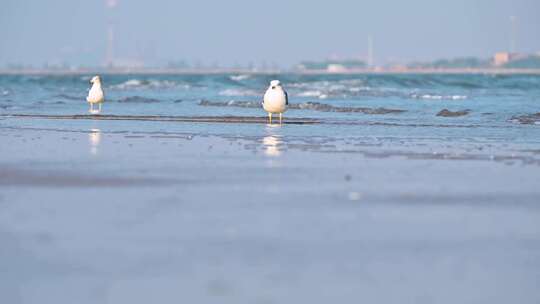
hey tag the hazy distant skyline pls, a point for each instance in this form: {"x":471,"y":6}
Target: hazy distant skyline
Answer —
{"x":276,"y":32}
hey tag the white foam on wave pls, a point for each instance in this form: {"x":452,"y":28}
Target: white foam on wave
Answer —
{"x":239,"y":92}
{"x":335,"y":89}
{"x":239,"y":77}
{"x":439,"y":97}
{"x":358,"y":89}
{"x":310,"y":94}
{"x":313,"y":93}
{"x":148,"y":84}
{"x":131,"y":83}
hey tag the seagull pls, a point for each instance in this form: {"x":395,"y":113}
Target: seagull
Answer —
{"x":95,"y":95}
{"x":275,"y":100}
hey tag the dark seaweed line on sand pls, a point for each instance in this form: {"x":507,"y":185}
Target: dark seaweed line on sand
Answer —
{"x":243,"y":119}
{"x":202,"y":119}
{"x":315,"y":106}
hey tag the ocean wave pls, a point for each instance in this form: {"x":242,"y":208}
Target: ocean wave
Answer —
{"x":314,"y":106}
{"x":339,"y":92}
{"x":438,"y":97}
{"x":239,"y":77}
{"x":405,"y":85}
{"x":323,"y":107}
{"x":40,"y":103}
{"x":69,"y":97}
{"x":336,"y":84}
{"x":137,"y":99}
{"x":231,"y":103}
{"x":239,"y":92}
{"x":314,"y":93}
{"x":133,"y":84}
{"x":383,"y":86}
{"x":357,"y":89}
{"x":341,"y":89}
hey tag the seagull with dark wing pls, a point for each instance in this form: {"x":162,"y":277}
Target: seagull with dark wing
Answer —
{"x":275,"y":100}
{"x":95,"y":95}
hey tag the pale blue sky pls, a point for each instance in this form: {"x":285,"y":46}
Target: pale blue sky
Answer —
{"x":279,"y":31}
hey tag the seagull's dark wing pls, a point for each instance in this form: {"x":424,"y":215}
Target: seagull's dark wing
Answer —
{"x":286,"y":98}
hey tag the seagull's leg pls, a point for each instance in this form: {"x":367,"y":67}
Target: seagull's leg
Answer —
{"x":91,"y":107}
{"x":99,"y":107}
{"x":270,"y":117}
{"x":280,"y":117}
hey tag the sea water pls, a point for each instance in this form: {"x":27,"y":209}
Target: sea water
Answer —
{"x":358,"y":103}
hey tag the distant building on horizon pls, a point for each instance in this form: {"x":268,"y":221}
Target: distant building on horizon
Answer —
{"x":502,"y":58}
{"x":516,"y":60}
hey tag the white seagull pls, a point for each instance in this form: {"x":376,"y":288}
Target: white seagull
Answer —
{"x":275,"y":100}
{"x":95,"y":95}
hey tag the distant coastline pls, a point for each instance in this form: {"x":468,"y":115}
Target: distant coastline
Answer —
{"x":156,"y":71}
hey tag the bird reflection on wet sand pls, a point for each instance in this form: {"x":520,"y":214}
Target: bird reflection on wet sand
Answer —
{"x":272,"y":142}
{"x":272,"y":145}
{"x":94,"y":138}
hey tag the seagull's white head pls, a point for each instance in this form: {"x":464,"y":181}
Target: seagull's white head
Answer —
{"x":274,"y":84}
{"x":95,"y":79}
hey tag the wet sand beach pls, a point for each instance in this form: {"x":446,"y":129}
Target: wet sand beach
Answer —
{"x":94,"y":214}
